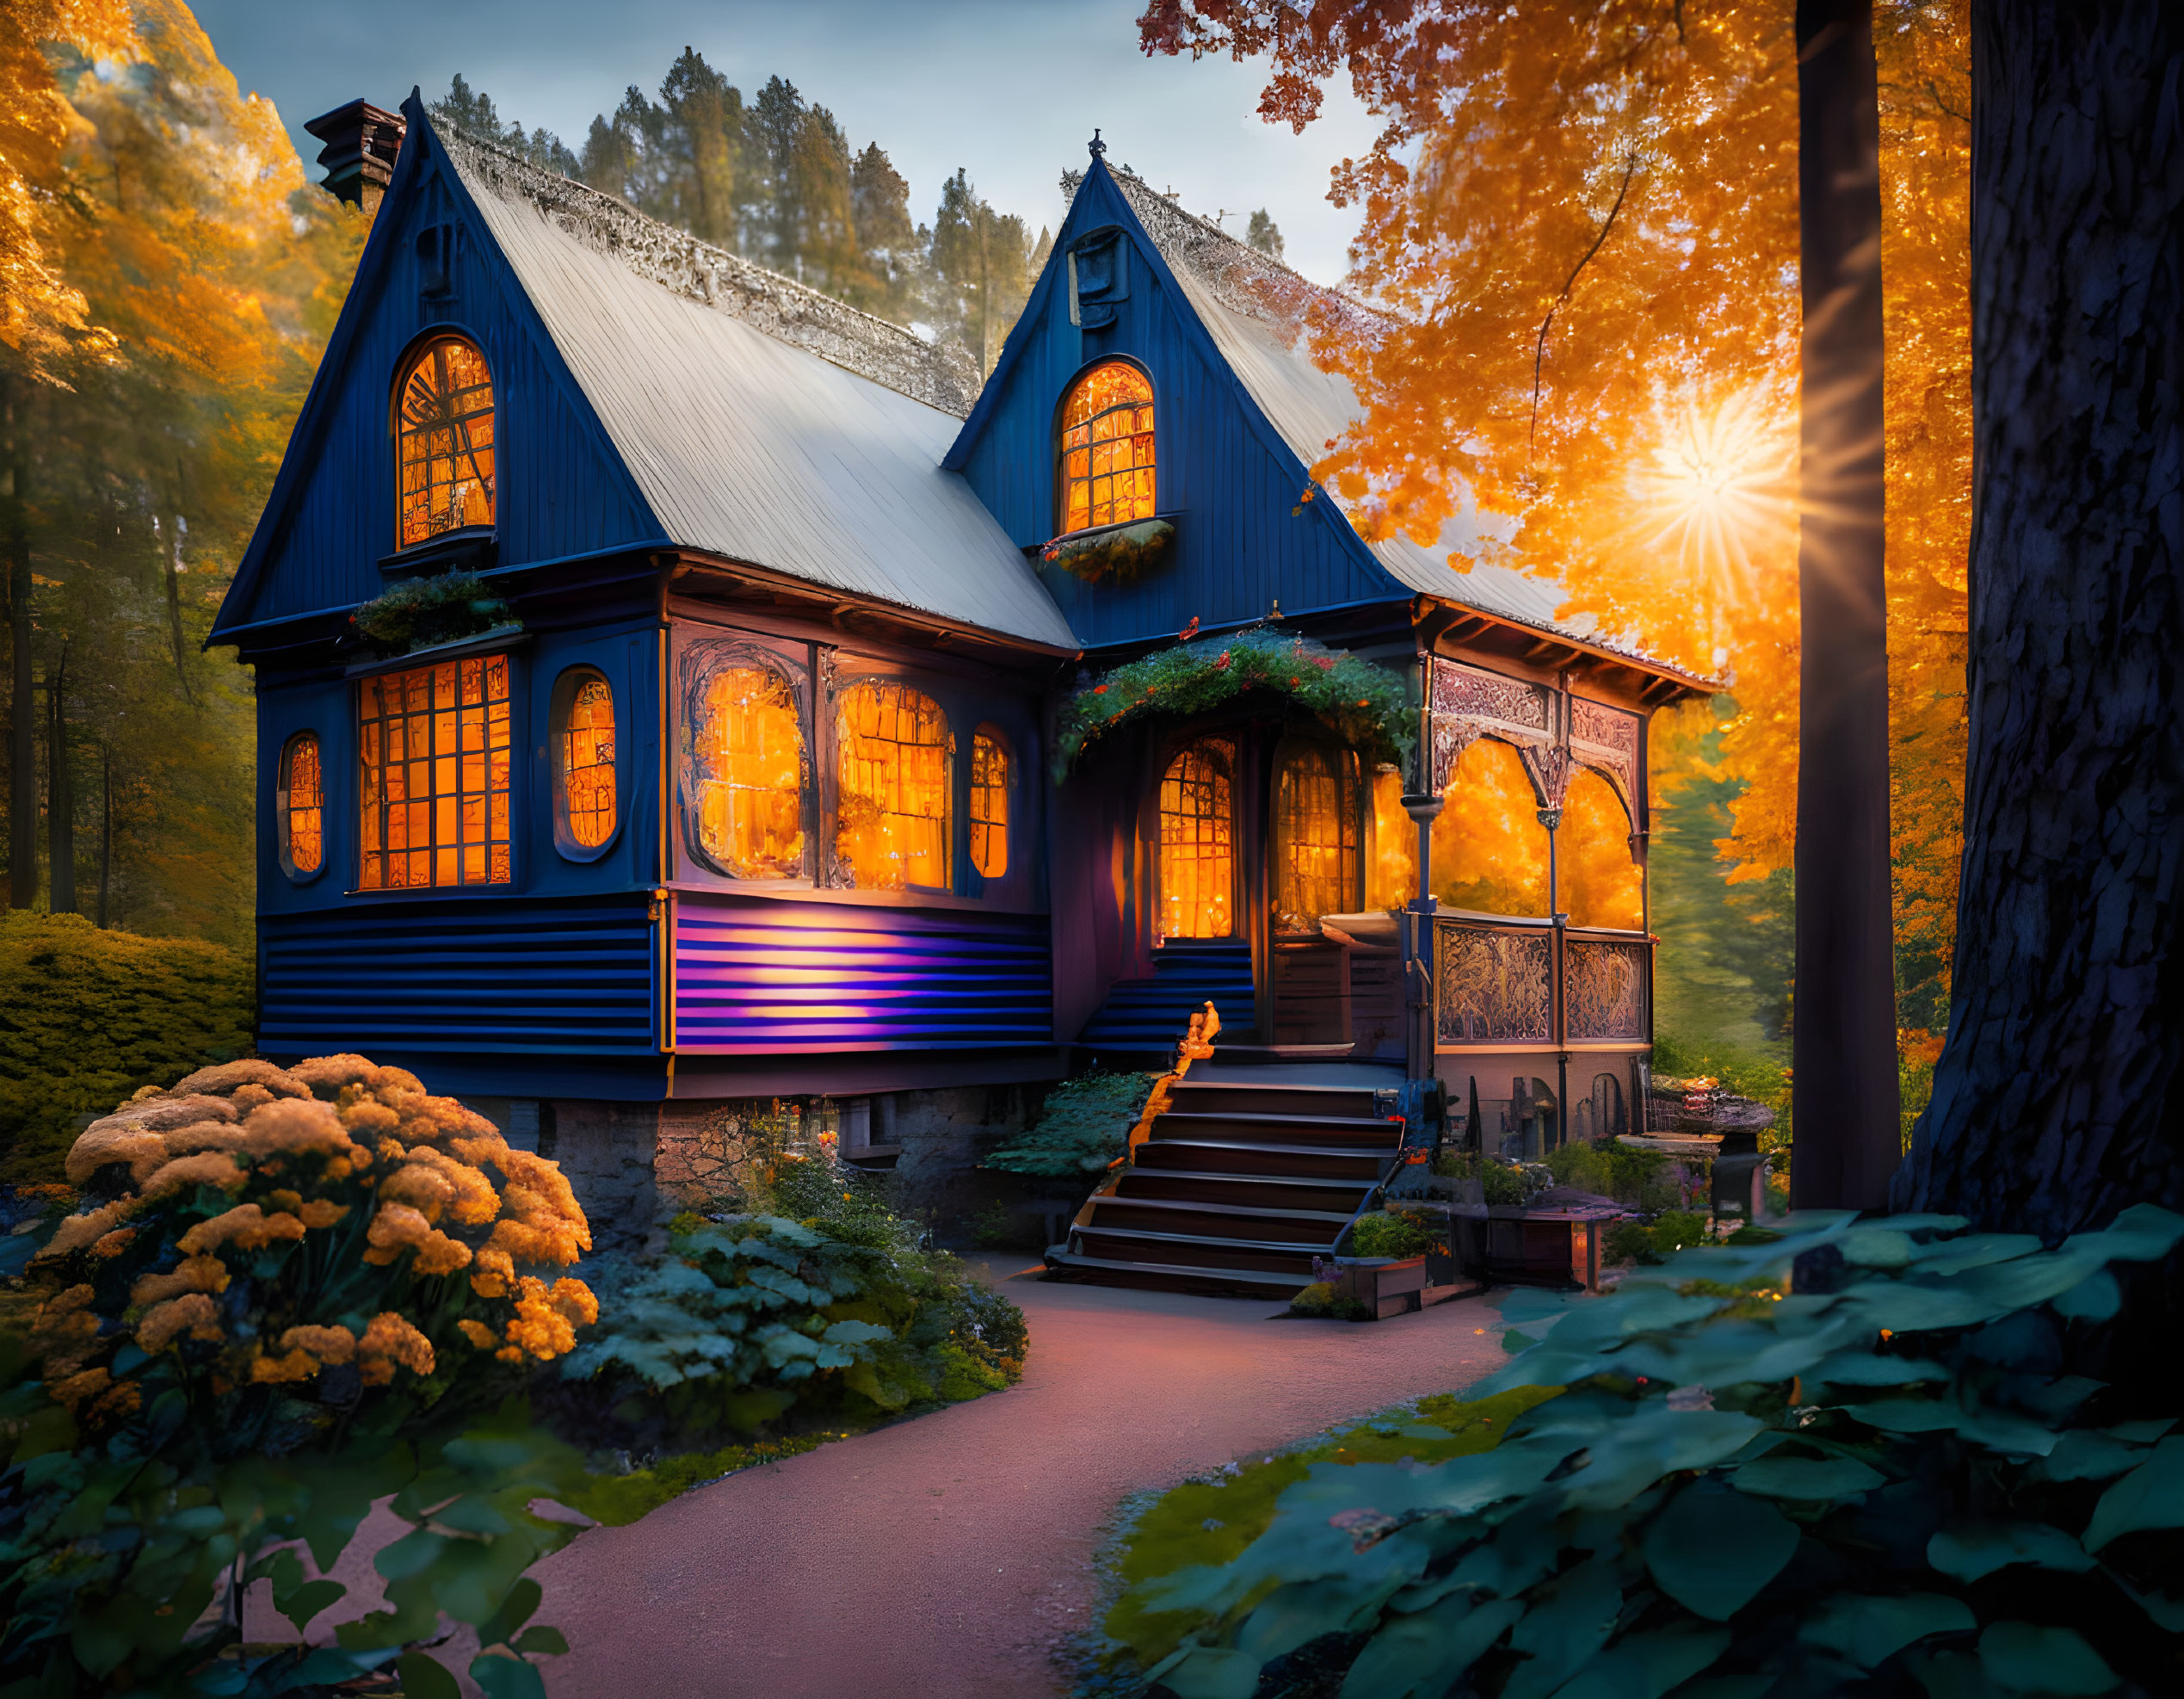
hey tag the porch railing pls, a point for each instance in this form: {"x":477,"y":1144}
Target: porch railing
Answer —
{"x":1531,"y":985}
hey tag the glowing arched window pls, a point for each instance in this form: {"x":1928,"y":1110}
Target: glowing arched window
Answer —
{"x":1489,"y":849}
{"x":1108,"y":448}
{"x":1316,"y":841}
{"x":1601,"y":885}
{"x":1197,"y":844}
{"x":444,"y":440}
{"x":584,"y":735}
{"x":989,"y":805}
{"x":301,"y":807}
{"x":896,"y":787}
{"x":749,"y":778}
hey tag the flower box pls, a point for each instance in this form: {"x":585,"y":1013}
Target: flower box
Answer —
{"x":1384,"y":1286}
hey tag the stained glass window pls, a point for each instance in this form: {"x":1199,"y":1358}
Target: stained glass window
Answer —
{"x":751,"y":774}
{"x":303,"y":806}
{"x":1107,"y":448}
{"x":1197,"y":844}
{"x":444,"y":441}
{"x":586,"y":736}
{"x":1319,"y":842}
{"x":989,"y":805}
{"x":1489,"y":849}
{"x":895,"y":786}
{"x":435,"y":747}
{"x":1601,"y":885}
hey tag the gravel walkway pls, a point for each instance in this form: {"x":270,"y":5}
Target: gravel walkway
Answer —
{"x":946,"y":1558}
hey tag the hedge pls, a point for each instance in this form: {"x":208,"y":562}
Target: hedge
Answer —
{"x":87,"y":1017}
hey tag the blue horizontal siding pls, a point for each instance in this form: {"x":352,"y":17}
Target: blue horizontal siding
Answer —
{"x":562,"y":979}
{"x":757,"y":977}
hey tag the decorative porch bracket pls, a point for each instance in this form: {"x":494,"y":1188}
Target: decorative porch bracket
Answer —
{"x":1553,"y":731}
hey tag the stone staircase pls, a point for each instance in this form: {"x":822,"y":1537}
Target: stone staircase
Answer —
{"x":1142,"y":1017}
{"x":1261,"y":1160}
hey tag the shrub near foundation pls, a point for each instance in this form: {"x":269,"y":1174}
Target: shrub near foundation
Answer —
{"x":287,"y":1293}
{"x":87,"y":1017}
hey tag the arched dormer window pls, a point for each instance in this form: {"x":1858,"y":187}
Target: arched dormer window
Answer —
{"x":444,"y":441}
{"x":1108,"y":448}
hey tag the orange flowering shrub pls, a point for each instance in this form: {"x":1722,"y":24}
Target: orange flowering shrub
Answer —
{"x":287,"y":1242}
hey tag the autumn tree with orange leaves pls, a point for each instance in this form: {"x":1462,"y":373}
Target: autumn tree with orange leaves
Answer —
{"x":1585,"y":223}
{"x":170,"y":282}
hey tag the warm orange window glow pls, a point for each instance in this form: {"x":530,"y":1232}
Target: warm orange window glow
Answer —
{"x":1601,"y":885}
{"x":1391,"y":876}
{"x":896,"y":755}
{"x":435,"y":743}
{"x":1107,"y":448}
{"x":444,"y":441}
{"x":1198,"y":844}
{"x":750,"y":785}
{"x":988,"y":807}
{"x":1489,"y":849}
{"x":1317,"y":835}
{"x":303,"y":804}
{"x":587,"y":763}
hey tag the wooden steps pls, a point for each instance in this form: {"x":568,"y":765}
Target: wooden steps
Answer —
{"x":1254,"y":1170}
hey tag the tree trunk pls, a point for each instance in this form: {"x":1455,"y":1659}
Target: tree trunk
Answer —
{"x":1844,"y":1103}
{"x":106,"y":832}
{"x":60,"y":795}
{"x":2055,"y":1101}
{"x":174,"y":609}
{"x":22,"y":707}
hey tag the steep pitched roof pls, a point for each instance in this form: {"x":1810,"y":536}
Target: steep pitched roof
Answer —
{"x":762,"y":420}
{"x":1254,"y":308}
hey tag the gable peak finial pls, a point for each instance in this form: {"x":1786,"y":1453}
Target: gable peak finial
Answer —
{"x":1095,"y":147}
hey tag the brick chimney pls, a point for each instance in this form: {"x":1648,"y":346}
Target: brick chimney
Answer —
{"x":361,"y":141}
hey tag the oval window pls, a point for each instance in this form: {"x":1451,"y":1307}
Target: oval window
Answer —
{"x":583,"y":735}
{"x":301,"y":806}
{"x":989,"y":805}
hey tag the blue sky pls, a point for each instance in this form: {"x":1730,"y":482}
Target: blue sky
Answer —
{"x":1010,"y":89}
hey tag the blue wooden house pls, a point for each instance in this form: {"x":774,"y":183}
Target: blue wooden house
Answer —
{"x":782,"y":771}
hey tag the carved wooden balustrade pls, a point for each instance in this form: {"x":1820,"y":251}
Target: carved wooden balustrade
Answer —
{"x":1531,"y":985}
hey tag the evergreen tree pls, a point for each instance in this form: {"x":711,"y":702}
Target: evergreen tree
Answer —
{"x":1264,"y":234}
{"x":704,"y":144}
{"x":980,"y":272}
{"x":892,"y":256}
{"x":472,"y":111}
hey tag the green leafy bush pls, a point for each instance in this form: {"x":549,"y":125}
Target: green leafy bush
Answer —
{"x":86,"y":1017}
{"x":299,"y":1293}
{"x":1083,"y":1127}
{"x":1672,"y":1231}
{"x":1881,"y":1480}
{"x":1385,"y":1234}
{"x":759,"y":1319}
{"x":1324,"y":1298}
{"x":1501,"y":1183}
{"x":1640,"y":1179}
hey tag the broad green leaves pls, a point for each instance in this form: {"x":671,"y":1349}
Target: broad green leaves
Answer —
{"x":1711,"y":1551}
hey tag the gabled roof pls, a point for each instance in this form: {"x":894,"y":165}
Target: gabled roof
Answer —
{"x":1254,"y":307}
{"x":763,"y":421}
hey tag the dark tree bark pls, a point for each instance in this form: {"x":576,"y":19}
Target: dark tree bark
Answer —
{"x":106,"y":831}
{"x":60,"y":795}
{"x":22,"y":705}
{"x":1845,"y":1115}
{"x":2055,"y":1101}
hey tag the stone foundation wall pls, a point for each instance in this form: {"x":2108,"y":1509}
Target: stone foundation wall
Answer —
{"x":608,"y":1153}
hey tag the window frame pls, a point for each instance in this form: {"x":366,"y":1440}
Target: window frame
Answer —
{"x":1227,"y":748}
{"x":955,"y":839}
{"x":699,"y":661}
{"x":427,"y":661}
{"x":987,"y":732}
{"x":572,"y":678}
{"x":1061,"y":429}
{"x":282,"y":807}
{"x":1341,"y":766}
{"x":413,"y":355}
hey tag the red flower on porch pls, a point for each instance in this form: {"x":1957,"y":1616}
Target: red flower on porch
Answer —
{"x":1221,"y":665}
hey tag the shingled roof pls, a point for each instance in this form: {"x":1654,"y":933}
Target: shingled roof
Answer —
{"x":763,"y":421}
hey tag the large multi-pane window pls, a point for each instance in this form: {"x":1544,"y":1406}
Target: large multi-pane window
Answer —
{"x":302,"y":807}
{"x":433,"y":743}
{"x":444,"y":441}
{"x":585,"y":735}
{"x":1108,"y":448}
{"x":1317,"y":827}
{"x":1198,"y":843}
{"x":750,"y":787}
{"x":895,"y":785}
{"x":989,"y":805}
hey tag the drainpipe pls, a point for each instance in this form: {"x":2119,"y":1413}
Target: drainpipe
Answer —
{"x":1423,"y":804}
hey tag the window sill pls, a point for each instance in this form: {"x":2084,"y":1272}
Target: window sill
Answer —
{"x":498,"y":641}
{"x":473,"y":549}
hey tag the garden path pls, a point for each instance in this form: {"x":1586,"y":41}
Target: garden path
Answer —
{"x":948,"y":1557}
